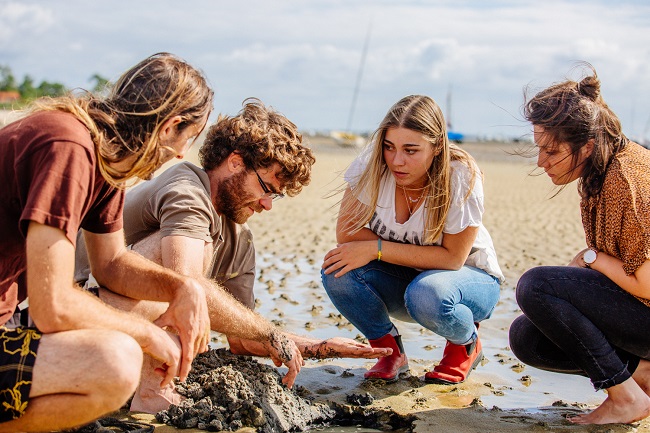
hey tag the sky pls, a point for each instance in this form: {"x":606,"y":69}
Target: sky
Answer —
{"x":476,"y":58}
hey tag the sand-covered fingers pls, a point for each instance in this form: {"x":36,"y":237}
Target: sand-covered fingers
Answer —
{"x":283,"y":350}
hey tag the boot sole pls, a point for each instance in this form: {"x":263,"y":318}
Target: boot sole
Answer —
{"x":402,"y":370}
{"x":448,"y":382}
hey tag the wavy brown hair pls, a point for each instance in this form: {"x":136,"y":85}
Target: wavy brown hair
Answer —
{"x":574,"y":112}
{"x":262,"y":137}
{"x":420,"y":114}
{"x":127,"y":122}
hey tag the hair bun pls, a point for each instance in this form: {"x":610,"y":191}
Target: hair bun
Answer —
{"x":589,"y":87}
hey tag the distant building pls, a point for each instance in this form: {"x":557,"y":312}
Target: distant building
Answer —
{"x":9,"y":96}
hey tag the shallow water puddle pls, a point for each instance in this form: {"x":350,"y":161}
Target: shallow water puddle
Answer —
{"x":290,"y":293}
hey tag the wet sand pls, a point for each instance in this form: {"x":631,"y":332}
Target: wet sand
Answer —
{"x":529,"y":228}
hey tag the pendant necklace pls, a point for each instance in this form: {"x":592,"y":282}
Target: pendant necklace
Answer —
{"x":413,"y":200}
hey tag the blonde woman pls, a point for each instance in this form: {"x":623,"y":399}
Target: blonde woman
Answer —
{"x":411,"y":244}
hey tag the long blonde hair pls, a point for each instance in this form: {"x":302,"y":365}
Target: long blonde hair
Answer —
{"x":420,"y":114}
{"x":128,"y":120}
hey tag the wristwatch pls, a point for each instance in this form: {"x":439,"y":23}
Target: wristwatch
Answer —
{"x":589,"y":257}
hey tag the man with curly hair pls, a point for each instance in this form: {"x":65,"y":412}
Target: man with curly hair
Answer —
{"x":192,"y":219}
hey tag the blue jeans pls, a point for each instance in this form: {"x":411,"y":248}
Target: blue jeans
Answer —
{"x":446,"y":302}
{"x":577,"y":321}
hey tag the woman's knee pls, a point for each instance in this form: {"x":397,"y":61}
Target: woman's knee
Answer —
{"x":531,"y":283}
{"x":427,"y":304}
{"x":524,"y":340}
{"x":337,"y":286}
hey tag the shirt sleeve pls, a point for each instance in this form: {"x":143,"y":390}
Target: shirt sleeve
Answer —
{"x":464,"y":212}
{"x":183,"y":209}
{"x":61,"y":176}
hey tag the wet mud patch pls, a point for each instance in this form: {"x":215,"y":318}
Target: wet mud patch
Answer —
{"x":226,"y":392}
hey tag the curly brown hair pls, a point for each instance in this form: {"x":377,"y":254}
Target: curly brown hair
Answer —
{"x":262,"y":137}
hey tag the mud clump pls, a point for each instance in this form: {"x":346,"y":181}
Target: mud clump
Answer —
{"x":228,"y":392}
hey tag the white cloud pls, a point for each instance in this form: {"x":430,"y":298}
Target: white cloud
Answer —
{"x":303,"y":57}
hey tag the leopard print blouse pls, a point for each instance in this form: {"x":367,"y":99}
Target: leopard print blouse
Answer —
{"x":617,"y":221}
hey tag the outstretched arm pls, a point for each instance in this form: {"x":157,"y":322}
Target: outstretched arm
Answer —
{"x":313,"y":348}
{"x":227,"y":315}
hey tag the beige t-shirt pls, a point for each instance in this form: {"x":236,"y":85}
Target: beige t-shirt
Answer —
{"x":177,"y":203}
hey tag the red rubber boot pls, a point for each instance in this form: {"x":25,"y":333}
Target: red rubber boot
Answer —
{"x":456,"y":364}
{"x":389,"y":367}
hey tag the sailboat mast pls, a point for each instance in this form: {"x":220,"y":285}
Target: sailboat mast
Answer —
{"x":359,"y":75}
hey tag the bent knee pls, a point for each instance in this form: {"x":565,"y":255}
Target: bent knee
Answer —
{"x":120,"y":358}
{"x":522,"y":338}
{"x":531,"y":282}
{"x":335,"y":285}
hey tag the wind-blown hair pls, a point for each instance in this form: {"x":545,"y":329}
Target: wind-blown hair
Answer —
{"x":262,"y":137}
{"x":420,"y":114}
{"x":127,"y":122}
{"x":574,"y":113}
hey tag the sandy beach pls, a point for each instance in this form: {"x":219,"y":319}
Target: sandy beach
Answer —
{"x":529,"y":228}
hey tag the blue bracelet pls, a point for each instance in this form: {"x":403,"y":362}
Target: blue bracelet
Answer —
{"x":379,"y":249}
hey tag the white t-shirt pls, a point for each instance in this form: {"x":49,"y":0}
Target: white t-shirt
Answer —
{"x":462,"y":214}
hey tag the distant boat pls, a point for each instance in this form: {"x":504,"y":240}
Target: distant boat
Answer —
{"x":348,"y":138}
{"x":456,"y":137}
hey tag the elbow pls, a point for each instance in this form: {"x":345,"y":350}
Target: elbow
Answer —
{"x":48,"y":318}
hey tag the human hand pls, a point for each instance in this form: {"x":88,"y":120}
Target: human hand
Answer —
{"x":282,"y":350}
{"x":577,"y":261}
{"x":188,"y":316}
{"x":166,"y":348}
{"x":339,"y":347}
{"x":349,"y":256}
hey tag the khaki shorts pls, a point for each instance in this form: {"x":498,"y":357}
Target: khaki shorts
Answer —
{"x":17,"y":357}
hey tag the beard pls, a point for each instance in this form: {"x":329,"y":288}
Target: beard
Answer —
{"x":233,"y":201}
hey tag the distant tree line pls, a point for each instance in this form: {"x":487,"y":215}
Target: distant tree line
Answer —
{"x":28,"y":90}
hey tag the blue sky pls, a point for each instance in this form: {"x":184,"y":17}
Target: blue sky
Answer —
{"x":302,"y":57}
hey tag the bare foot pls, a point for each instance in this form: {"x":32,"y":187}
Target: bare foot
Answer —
{"x":625,"y":403}
{"x":152,"y":400}
{"x":642,"y":375}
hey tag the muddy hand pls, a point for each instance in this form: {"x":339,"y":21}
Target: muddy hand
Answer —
{"x":284,"y":351}
{"x":339,"y":347}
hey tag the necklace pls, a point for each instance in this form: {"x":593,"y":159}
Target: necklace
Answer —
{"x":413,"y":200}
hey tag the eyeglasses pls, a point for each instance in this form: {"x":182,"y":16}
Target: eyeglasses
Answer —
{"x":267,"y":192}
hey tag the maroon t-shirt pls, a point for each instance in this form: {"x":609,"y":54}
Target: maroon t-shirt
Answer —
{"x":48,"y":174}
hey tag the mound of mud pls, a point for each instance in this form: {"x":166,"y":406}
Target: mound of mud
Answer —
{"x":228,"y":392}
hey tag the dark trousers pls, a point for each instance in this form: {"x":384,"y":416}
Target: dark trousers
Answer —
{"x":577,"y":321}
